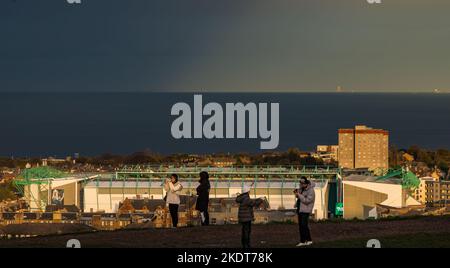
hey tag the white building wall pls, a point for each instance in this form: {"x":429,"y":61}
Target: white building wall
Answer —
{"x":90,"y":199}
{"x":393,"y":191}
{"x":110,"y":202}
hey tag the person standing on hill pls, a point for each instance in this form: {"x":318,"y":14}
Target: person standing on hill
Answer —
{"x":305,"y":204}
{"x":245,"y":214}
{"x":203,"y":197}
{"x":173,"y":188}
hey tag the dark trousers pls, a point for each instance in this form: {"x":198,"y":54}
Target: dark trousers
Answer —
{"x":206,"y":215}
{"x":173,"y":208}
{"x":246,"y":231}
{"x":303,"y":219}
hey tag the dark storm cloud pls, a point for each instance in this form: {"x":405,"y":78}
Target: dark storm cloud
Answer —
{"x":226,"y":45}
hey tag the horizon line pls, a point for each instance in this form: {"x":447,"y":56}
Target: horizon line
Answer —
{"x":236,"y":91}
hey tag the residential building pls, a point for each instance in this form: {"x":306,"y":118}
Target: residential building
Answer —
{"x":363,"y":147}
{"x":425,"y":190}
{"x":432,"y":195}
{"x":224,"y":162}
{"x":327,"y":153}
{"x":444,"y":193}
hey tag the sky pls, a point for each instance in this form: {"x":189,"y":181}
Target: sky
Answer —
{"x":224,"y":45}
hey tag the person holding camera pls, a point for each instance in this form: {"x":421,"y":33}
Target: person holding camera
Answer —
{"x":304,"y":206}
{"x":172,"y":198}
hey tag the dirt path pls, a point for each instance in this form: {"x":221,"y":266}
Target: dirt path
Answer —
{"x":271,"y":235}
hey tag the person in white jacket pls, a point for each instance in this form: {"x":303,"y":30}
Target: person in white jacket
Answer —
{"x":305,"y":205}
{"x":173,"y":189}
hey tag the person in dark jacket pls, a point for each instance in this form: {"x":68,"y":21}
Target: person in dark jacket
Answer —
{"x":246,"y":215}
{"x":203,"y":197}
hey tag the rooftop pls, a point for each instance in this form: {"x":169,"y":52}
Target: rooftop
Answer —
{"x":363,"y":178}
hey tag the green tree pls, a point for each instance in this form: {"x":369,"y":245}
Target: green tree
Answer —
{"x":443,"y":166}
{"x":414,"y":150}
{"x":425,"y":157}
{"x":7,"y":191}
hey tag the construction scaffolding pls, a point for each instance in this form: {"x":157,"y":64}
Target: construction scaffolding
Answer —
{"x":37,"y":185}
{"x":34,"y":185}
{"x":409,"y":180}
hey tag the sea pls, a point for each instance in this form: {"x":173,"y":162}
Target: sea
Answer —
{"x":64,"y":124}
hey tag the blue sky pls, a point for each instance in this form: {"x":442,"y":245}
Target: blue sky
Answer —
{"x":224,"y":45}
